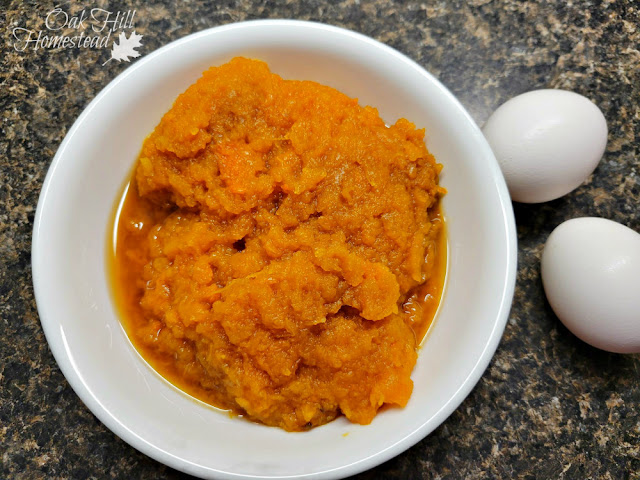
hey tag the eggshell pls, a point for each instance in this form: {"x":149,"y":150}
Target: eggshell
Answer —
{"x":591,"y":276}
{"x":547,"y":143}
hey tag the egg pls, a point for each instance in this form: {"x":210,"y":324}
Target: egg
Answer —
{"x":591,"y":276}
{"x":547,"y":143}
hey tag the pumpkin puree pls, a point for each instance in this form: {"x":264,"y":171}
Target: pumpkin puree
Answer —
{"x":279,"y":251}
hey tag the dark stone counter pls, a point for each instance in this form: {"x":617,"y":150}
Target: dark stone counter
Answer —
{"x":549,"y":406}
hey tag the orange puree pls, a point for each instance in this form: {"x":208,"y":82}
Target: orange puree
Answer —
{"x":279,"y":251}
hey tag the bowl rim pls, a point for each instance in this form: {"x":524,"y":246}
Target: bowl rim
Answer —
{"x":70,"y":373}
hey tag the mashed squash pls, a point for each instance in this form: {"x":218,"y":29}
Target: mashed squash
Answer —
{"x":279,"y":251}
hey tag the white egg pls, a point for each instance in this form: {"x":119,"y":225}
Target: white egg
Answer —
{"x":591,"y":276}
{"x":547,"y":143}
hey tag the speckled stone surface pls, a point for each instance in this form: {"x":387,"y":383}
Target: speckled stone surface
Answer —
{"x":548,"y":406}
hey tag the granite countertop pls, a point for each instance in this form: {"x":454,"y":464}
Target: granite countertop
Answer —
{"x":548,"y":406}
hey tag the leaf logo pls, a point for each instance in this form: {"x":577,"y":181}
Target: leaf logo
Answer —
{"x":126,"y":48}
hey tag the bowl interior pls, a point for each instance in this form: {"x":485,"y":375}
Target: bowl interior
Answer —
{"x":73,"y":221}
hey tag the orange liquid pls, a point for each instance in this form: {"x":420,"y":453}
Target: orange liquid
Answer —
{"x":125,"y":270}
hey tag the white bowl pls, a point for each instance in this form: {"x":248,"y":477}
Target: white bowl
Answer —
{"x":73,"y":221}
